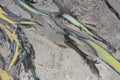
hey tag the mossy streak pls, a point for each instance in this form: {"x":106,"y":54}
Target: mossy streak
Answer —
{"x":4,"y":75}
{"x":104,"y":55}
{"x":30,"y":8}
{"x":13,"y":37}
{"x":80,"y":25}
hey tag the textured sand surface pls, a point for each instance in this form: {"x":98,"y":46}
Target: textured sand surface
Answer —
{"x":55,"y":62}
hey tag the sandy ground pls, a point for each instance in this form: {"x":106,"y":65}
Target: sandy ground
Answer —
{"x":54,"y":62}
